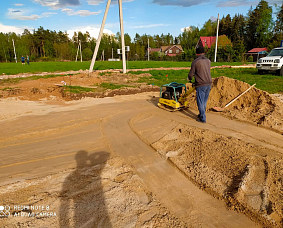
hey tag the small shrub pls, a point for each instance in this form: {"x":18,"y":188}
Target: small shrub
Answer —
{"x":250,"y":59}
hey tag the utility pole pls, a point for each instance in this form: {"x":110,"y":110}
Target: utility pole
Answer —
{"x":122,"y":37}
{"x":148,"y":49}
{"x":112,"y":54}
{"x":81,"y":51}
{"x":215,"y":56}
{"x":77,"y":53}
{"x":99,"y":37}
{"x":15,"y":51}
{"x":101,"y":33}
{"x":79,"y":48}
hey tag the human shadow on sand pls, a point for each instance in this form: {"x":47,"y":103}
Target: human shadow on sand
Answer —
{"x":82,"y":198}
{"x":189,"y":113}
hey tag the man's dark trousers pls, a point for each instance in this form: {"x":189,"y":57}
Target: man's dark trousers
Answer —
{"x":202,"y":97}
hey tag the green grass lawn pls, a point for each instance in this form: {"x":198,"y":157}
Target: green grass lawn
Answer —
{"x":267,"y":82}
{"x":101,"y":87}
{"x":38,"y":67}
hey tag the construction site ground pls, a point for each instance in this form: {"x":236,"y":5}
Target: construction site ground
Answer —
{"x":120,"y":161}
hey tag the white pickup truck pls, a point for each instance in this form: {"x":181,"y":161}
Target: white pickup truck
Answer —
{"x":272,"y":62}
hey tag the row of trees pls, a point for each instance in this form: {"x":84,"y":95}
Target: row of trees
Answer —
{"x":256,"y":29}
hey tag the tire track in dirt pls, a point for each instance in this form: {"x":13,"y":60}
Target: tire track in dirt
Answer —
{"x":228,"y":166}
{"x":192,"y":205}
{"x":115,"y":124}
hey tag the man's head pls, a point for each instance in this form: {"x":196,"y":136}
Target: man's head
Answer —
{"x":200,"y":51}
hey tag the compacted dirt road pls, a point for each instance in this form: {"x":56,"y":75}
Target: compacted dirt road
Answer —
{"x":120,"y":161}
{"x":123,"y":162}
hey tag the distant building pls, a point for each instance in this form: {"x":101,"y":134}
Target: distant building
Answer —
{"x":152,"y":50}
{"x":208,"y":41}
{"x":256,"y":53}
{"x":172,"y":50}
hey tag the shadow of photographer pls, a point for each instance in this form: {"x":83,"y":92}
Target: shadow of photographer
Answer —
{"x":82,"y":197}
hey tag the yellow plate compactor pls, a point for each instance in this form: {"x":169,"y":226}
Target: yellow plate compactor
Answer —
{"x":173,"y":96}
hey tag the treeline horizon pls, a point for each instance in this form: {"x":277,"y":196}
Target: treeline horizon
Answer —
{"x":256,"y":29}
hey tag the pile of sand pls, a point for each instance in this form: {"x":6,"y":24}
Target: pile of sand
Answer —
{"x":246,"y":176}
{"x":255,"y":106}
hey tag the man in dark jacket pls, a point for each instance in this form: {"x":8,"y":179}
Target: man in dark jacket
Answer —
{"x":200,"y":69}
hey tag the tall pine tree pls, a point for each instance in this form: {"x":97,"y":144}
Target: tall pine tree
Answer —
{"x":259,"y":26}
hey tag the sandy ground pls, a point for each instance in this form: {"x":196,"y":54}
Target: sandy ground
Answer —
{"x":124,"y":182}
{"x":51,"y":88}
{"x":246,"y":176}
{"x":95,"y":194}
{"x":111,"y":162}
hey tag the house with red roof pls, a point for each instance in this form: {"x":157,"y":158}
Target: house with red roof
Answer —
{"x":256,"y":53}
{"x":258,"y":50}
{"x":152,"y":50}
{"x":208,"y":41}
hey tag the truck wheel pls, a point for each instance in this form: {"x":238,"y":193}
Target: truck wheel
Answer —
{"x":281,"y":71}
{"x":260,"y":72}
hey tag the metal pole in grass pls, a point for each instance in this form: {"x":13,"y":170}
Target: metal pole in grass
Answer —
{"x":99,"y":37}
{"x":15,"y":51}
{"x":81,"y":51}
{"x":216,"y":43}
{"x":78,"y":51}
{"x":148,"y":50}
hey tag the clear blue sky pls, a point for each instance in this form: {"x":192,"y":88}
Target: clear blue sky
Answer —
{"x":140,"y":16}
